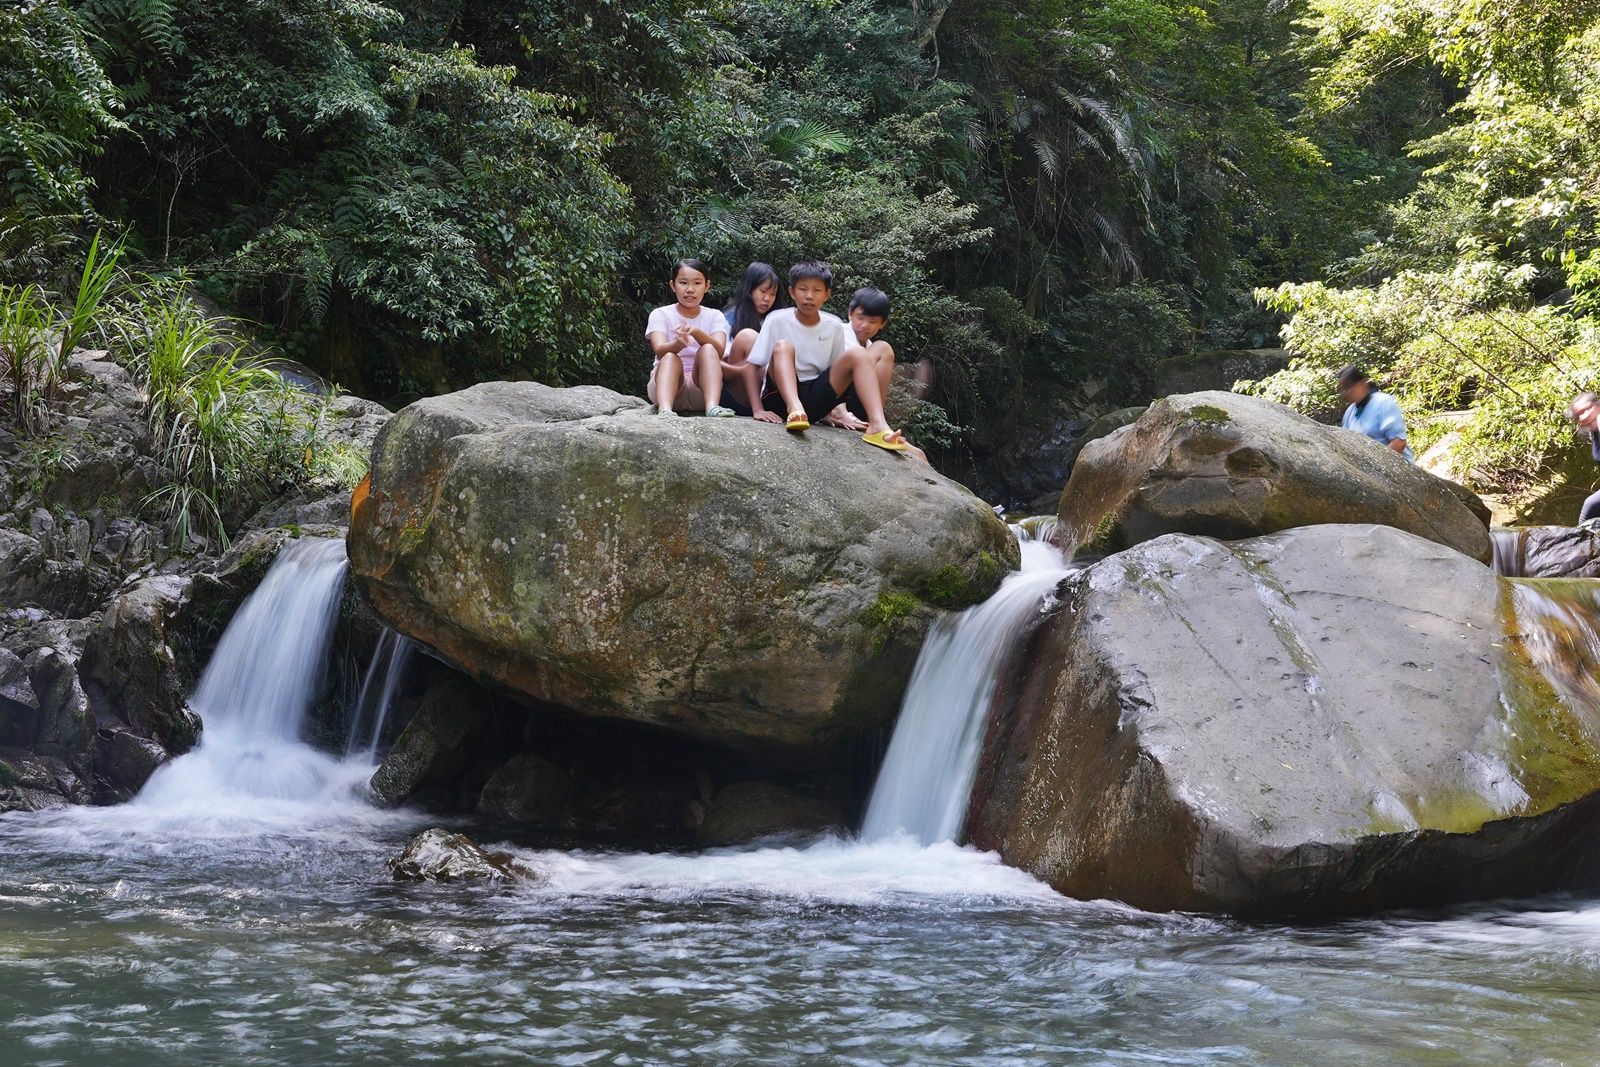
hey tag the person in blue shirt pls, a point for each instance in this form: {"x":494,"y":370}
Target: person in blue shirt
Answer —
{"x":1373,"y":412}
{"x":1584,"y":411}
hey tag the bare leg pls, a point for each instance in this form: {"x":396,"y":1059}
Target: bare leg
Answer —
{"x":708,"y":375}
{"x":881,"y":355}
{"x":856,"y":367}
{"x":669,"y":378}
{"x":734,"y":362}
{"x":782,"y":373}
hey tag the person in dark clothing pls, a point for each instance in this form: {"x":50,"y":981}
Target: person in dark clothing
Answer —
{"x":1584,"y":411}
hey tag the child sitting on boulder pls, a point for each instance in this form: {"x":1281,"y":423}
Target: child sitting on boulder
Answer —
{"x":813,"y":363}
{"x":868,"y":315}
{"x":688,"y":340}
{"x":755,"y":297}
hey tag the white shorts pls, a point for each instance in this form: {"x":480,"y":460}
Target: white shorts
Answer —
{"x":689,"y":397}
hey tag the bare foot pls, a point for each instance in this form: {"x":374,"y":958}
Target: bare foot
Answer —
{"x":841,"y":417}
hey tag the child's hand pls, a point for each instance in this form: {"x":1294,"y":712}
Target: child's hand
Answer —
{"x":768,"y":416}
{"x":685,"y":335}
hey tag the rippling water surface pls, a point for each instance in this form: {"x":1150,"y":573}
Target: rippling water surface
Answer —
{"x":273,"y":936}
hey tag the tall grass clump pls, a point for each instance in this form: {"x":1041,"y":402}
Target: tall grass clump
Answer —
{"x":38,"y":334}
{"x":228,"y":431}
{"x":25,"y":349}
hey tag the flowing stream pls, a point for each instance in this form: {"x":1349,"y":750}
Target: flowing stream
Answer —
{"x":239,"y":912}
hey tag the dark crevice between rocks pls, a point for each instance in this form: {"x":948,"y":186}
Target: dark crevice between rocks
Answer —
{"x":544,"y":776}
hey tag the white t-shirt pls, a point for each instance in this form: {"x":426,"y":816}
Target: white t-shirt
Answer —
{"x":667,"y":320}
{"x":815,"y":347}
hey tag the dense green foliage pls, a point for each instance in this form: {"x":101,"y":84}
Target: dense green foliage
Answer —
{"x":1058,"y":195}
{"x":1478,"y":294}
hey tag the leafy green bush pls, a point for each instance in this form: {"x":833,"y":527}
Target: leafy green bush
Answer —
{"x":1467,"y":340}
{"x":55,"y":104}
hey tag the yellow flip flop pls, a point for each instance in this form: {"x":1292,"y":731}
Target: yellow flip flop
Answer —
{"x":883,"y":441}
{"x":797,"y":422}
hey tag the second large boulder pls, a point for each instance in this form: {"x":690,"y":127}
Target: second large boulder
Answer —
{"x":1230,"y":466}
{"x":1329,"y":720}
{"x":720,"y":578}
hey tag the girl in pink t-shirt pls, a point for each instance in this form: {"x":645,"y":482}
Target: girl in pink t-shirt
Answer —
{"x":688,"y":340}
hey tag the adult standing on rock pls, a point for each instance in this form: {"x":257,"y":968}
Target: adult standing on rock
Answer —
{"x":1584,"y":411}
{"x":1373,"y":412}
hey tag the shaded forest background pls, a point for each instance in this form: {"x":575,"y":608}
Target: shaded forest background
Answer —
{"x":413,"y":196}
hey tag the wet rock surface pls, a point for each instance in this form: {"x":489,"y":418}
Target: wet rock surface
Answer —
{"x":1333,"y":719}
{"x":526,"y":789}
{"x":438,"y":743}
{"x":720,"y":579}
{"x":440,"y":856}
{"x":747,"y":812}
{"x":124,"y":762}
{"x":1232,"y":466}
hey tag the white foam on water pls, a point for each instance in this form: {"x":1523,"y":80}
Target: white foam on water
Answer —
{"x":926,"y":779}
{"x":893,"y":871}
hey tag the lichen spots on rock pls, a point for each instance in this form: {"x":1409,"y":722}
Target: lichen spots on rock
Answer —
{"x":1230,"y":466}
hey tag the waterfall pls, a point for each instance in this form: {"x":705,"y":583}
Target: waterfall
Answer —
{"x":388,"y":666}
{"x":926,"y":778}
{"x":254,"y":693}
{"x":1510,"y":547}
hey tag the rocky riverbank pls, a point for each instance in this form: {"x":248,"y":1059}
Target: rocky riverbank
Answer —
{"x":651,"y":632}
{"x":105,"y":622}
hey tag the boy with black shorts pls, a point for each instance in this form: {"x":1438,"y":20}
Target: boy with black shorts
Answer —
{"x":813,"y":363}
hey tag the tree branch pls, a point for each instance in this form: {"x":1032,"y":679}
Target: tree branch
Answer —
{"x":936,"y":11}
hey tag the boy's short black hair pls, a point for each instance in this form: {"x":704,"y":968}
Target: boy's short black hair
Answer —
{"x":873,"y":302}
{"x":692,"y":264}
{"x":813,"y":269}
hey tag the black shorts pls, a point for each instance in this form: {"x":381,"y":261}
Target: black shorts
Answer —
{"x":817,"y":397}
{"x":737,"y":406}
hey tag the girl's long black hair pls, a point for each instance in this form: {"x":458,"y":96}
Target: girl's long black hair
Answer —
{"x":742,"y":314}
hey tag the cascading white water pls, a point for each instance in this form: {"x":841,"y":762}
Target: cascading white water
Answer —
{"x":388,"y":666}
{"x":254,"y":695}
{"x":926,"y":778}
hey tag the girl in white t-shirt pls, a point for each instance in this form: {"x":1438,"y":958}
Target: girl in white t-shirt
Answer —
{"x":688,"y":341}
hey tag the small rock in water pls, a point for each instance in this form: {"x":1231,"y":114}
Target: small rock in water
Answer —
{"x":440,"y":856}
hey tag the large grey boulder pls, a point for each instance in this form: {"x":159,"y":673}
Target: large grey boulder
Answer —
{"x":720,"y":578}
{"x":1231,"y":466}
{"x":1333,"y":719}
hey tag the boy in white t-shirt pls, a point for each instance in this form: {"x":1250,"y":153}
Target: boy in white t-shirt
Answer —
{"x":813,"y":363}
{"x":688,"y":341}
